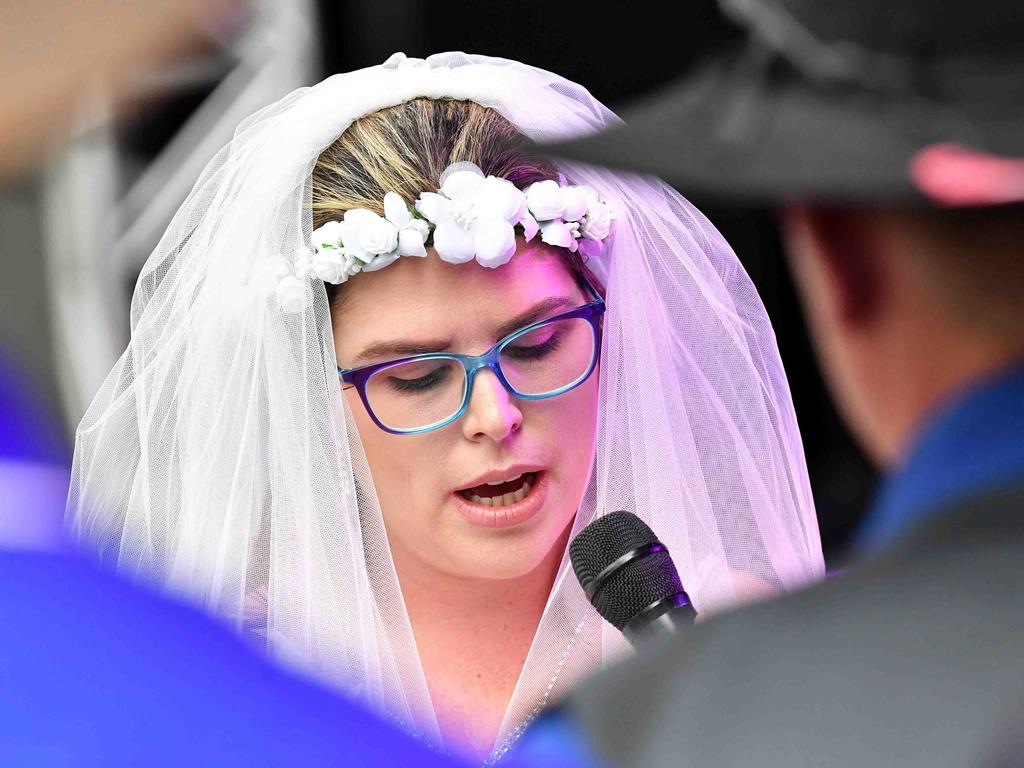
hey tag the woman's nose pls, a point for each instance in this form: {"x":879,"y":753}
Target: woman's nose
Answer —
{"x":493,"y":411}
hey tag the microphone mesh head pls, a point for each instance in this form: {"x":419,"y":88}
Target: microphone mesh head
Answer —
{"x":606,"y":540}
{"x":636,"y":585}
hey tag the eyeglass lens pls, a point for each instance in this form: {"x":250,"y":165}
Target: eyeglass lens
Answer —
{"x":544,"y":360}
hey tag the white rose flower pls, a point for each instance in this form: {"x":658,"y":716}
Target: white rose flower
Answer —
{"x":366,"y":235}
{"x":327,"y":236}
{"x":412,"y":232}
{"x":378,"y":237}
{"x":351,"y":227}
{"x":291,"y":294}
{"x":598,"y":222}
{"x":591,"y":194}
{"x":575,"y":203}
{"x":329,"y":265}
{"x":544,"y":199}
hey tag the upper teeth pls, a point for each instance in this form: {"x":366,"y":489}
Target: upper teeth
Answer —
{"x":502,"y":500}
{"x":509,"y":480}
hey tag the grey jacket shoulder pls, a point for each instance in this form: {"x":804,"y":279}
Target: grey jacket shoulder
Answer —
{"x":913,"y":658}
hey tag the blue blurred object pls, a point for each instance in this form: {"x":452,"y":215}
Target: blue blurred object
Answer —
{"x":28,"y":431}
{"x":34,"y":466}
{"x":97,"y":672}
{"x":555,"y":739}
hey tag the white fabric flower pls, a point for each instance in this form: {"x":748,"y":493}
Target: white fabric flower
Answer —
{"x":474,"y":217}
{"x":420,"y":226}
{"x":378,"y":236}
{"x":364,"y":242}
{"x":598,"y":223}
{"x":358,"y":219}
{"x":330,"y":265}
{"x":291,"y":294}
{"x":495,"y":242}
{"x":380,"y":261}
{"x":327,"y":236}
{"x":412,"y":232}
{"x":500,"y":199}
{"x":545,"y":200}
{"x":557,"y":233}
{"x":575,"y":203}
{"x":530,"y":226}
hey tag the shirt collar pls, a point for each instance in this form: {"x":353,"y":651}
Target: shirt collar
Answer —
{"x":975,"y":442}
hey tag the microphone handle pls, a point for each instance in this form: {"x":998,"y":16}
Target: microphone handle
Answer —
{"x":668,"y":616}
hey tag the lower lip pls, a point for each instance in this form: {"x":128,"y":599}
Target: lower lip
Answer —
{"x":509,"y":515}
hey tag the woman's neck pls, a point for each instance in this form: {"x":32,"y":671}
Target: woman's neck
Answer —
{"x":473,"y":636}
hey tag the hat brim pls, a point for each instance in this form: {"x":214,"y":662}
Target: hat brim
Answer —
{"x":726,"y":135}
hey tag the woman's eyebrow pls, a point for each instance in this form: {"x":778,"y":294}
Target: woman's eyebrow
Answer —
{"x":387,"y":349}
{"x":538,"y":312}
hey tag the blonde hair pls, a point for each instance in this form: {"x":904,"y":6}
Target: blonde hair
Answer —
{"x":405,"y":149}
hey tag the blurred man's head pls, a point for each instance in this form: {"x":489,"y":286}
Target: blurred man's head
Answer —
{"x":902,"y":127}
{"x":907,"y":306}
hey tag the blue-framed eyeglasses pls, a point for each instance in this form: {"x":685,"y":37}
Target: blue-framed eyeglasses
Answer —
{"x":420,"y":393}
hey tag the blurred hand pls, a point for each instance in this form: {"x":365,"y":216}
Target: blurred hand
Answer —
{"x":51,"y":50}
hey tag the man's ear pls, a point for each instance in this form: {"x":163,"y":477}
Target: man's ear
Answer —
{"x":838,"y":245}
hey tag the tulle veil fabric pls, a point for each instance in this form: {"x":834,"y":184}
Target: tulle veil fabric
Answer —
{"x":219,"y":459}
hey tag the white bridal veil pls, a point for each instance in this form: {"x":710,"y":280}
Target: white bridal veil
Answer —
{"x":220,"y":461}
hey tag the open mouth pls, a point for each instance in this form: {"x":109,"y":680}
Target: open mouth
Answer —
{"x":504,"y":493}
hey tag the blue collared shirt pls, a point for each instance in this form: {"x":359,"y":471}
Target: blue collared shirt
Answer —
{"x":971,"y":444}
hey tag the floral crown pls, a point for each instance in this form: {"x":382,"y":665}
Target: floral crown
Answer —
{"x":471,"y":216}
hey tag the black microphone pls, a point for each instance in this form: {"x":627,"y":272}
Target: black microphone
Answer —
{"x":630,"y":578}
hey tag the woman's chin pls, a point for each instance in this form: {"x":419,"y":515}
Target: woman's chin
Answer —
{"x":510,"y":554}
{"x":495,"y":560}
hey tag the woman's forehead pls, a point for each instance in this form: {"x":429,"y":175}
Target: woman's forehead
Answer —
{"x":414,"y":295}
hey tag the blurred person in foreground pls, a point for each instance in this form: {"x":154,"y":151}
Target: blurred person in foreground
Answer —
{"x":53,"y":51}
{"x":94,"y":670}
{"x":97,"y":671}
{"x":891,"y":139}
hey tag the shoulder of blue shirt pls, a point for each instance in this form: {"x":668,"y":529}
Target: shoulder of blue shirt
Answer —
{"x":970,"y":444}
{"x":97,"y":671}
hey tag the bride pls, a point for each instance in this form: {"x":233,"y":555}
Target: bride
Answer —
{"x":384,"y":364}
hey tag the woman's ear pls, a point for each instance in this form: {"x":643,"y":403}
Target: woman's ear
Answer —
{"x":835,"y":259}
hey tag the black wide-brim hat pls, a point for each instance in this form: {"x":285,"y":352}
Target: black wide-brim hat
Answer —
{"x":845,"y":101}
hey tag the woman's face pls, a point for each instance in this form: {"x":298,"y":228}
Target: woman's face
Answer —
{"x":463,"y":308}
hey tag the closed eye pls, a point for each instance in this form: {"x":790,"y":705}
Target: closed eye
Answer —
{"x":534,"y":351}
{"x":419,"y":383}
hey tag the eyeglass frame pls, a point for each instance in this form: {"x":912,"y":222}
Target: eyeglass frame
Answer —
{"x":471,"y":364}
